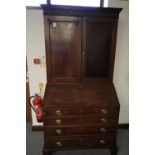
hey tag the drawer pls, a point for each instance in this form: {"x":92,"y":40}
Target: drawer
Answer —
{"x":75,"y":120}
{"x":98,"y":119}
{"x":82,"y":142}
{"x":103,"y":110}
{"x":82,"y":130}
{"x":62,"y":120}
{"x":62,"y":143}
{"x":97,"y":142}
{"x":58,"y":111}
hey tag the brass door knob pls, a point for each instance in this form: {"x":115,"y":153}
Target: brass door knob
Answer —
{"x":58,"y":112}
{"x":104,"y":111}
{"x":58,"y":121}
{"x":103,"y":120}
{"x":59,"y":144}
{"x":102,"y":141}
{"x":103,"y":130}
{"x":58,"y":131}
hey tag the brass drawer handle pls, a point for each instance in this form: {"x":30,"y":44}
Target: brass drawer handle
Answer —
{"x":102,"y":141}
{"x":59,"y":144}
{"x":58,"y":121}
{"x":103,"y":120}
{"x":103,"y":130}
{"x":59,"y":132}
{"x":58,"y":112}
{"x":104,"y":111}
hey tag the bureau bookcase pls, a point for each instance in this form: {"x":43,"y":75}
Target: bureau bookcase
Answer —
{"x":81,"y":107}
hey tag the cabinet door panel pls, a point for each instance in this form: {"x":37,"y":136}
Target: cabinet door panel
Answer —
{"x":98,"y":35}
{"x":65,"y":49}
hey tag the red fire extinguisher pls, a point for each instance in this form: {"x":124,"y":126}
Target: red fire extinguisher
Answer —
{"x":37,"y":106}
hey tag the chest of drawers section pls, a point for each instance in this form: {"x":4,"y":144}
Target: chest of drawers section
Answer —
{"x":76,"y":127}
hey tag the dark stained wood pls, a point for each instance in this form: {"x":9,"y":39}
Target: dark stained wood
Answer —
{"x":80,"y":11}
{"x":51,"y":131}
{"x":82,"y":142}
{"x":98,"y":46}
{"x":81,"y":108}
{"x":64,"y":52}
{"x":75,"y":119}
{"x":99,"y":43}
{"x":112,"y":52}
{"x":87,"y":94}
{"x":120,"y":126}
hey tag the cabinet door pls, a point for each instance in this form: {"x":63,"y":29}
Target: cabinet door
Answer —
{"x":98,"y":46}
{"x":63,"y":48}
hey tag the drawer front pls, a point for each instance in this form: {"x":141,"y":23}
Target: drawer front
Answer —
{"x":82,"y":142}
{"x":62,"y":143}
{"x":75,"y":120}
{"x":64,"y":120}
{"x":97,"y":142}
{"x":58,"y":111}
{"x":98,"y":119}
{"x":81,"y":130}
{"x":103,"y":110}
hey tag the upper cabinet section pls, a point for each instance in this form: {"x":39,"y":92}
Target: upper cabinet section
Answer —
{"x":80,"y":42}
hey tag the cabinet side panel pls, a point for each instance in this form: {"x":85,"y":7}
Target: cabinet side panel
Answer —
{"x":47,"y":46}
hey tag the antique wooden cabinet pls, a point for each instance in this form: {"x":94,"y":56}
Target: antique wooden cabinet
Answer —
{"x":81,"y":108}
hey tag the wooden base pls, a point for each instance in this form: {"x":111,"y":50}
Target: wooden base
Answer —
{"x":113,"y":151}
{"x":47,"y":151}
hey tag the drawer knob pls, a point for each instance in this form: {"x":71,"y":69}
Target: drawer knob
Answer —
{"x":58,"y":132}
{"x":58,"y":112}
{"x":58,"y":121}
{"x":103,"y":130}
{"x":59,"y":144}
{"x":103,"y":120}
{"x":104,"y":111}
{"x":102,"y":141}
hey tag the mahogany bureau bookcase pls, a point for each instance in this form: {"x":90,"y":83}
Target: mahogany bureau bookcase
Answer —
{"x":81,"y":107}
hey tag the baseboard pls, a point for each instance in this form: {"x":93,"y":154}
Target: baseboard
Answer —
{"x":37,"y":128}
{"x":123,"y":126}
{"x":40,"y":127}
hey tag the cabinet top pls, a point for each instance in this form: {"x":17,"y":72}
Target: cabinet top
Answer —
{"x":80,"y":11}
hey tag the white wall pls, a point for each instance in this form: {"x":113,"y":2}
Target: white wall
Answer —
{"x":121,"y":69}
{"x":36,"y":47}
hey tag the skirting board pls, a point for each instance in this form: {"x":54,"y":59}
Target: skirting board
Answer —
{"x":40,"y":128}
